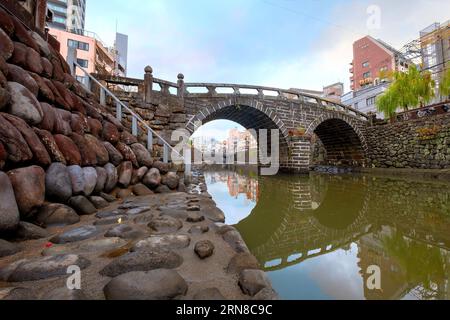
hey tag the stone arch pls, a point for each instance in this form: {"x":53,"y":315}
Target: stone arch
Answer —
{"x":251,"y":108}
{"x":342,"y":138}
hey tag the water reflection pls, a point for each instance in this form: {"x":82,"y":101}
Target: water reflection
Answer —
{"x":316,"y":236}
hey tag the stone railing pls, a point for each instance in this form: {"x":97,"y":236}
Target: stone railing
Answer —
{"x":183,"y":90}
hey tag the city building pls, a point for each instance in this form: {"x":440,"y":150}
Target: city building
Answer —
{"x":331,"y":92}
{"x":91,"y":53}
{"x":68,"y":14}
{"x":435,"y":49}
{"x":364,"y":100}
{"x":372,"y":60}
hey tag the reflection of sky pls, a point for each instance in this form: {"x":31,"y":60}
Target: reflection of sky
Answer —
{"x":331,"y":276}
{"x":235,"y":209}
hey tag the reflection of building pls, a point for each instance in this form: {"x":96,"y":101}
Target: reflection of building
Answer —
{"x":238,"y":141}
{"x":91,"y":53}
{"x":238,"y":184}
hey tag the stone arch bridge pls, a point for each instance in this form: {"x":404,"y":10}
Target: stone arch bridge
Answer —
{"x":299,"y":117}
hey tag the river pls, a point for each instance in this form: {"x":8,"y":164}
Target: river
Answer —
{"x":319,"y":237}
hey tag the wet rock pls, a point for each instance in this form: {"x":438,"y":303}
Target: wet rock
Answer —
{"x":10,"y":216}
{"x":171,"y":180}
{"x":138,"y":210}
{"x":141,"y":190}
{"x":107,"y":197}
{"x":198,"y":229}
{"x":24,"y":104}
{"x":123,"y":231}
{"x":110,"y":221}
{"x":125,"y":171}
{"x":54,"y":214}
{"x":158,"y":284}
{"x":142,"y":261}
{"x":266,"y":294}
{"x":209,"y":294}
{"x":75,"y":235}
{"x":109,"y":214}
{"x":76,"y":178}
{"x":127,"y":153}
{"x":100,"y":150}
{"x":212,"y":213}
{"x":146,"y":218}
{"x":8,"y":248}
{"x":163,"y":189}
{"x":58,"y":185}
{"x":242,"y":261}
{"x":143,"y":157}
{"x":165,"y":224}
{"x":102,"y":175}
{"x":69,"y":149}
{"x":115,"y":156}
{"x":19,"y":75}
{"x":52,"y":148}
{"x":39,"y":151}
{"x":162,"y":167}
{"x":41,"y":268}
{"x":253,"y":281}
{"x":195,"y":217}
{"x":29,"y":188}
{"x":82,"y":205}
{"x":15,"y":145}
{"x":168,"y":242}
{"x":64,"y":294}
{"x":204,"y":249}
{"x":99,"y":202}
{"x":152,"y":179}
{"x":29,"y":231}
{"x":88,"y":156}
{"x":110,"y":133}
{"x":90,"y":180}
{"x":102,"y":244}
{"x":234,"y":239}
{"x":112,"y":178}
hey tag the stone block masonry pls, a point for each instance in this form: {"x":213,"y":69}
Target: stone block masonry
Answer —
{"x":422,"y":143}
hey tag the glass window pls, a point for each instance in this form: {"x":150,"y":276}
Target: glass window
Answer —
{"x":365,"y":64}
{"x":366,"y":75}
{"x":370,"y":101}
{"x":78,"y":44}
{"x":82,"y":62}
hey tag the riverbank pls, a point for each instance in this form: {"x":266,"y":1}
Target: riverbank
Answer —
{"x":157,"y":246}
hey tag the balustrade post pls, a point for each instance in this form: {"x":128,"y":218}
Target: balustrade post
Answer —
{"x":181,"y":87}
{"x":148,"y":84}
{"x":102,"y":97}
{"x":149,"y":140}
{"x":166,"y":153}
{"x":118,"y":111}
{"x":134,"y":126}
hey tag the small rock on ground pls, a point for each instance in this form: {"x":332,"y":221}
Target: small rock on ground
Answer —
{"x":195,"y":217}
{"x":74,"y":235}
{"x":204,"y":249}
{"x":169,"y":242}
{"x":253,"y":281}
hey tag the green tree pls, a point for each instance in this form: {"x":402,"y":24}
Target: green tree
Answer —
{"x":408,"y":89}
{"x":444,"y":86}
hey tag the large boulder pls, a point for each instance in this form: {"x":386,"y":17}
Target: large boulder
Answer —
{"x":78,"y":123}
{"x":3,"y":155}
{"x":6,"y":22}
{"x":34,"y":143}
{"x":157,"y":284}
{"x":58,"y":185}
{"x":115,"y":156}
{"x":100,"y":150}
{"x":253,"y":281}
{"x":88,"y":155}
{"x":77,"y":234}
{"x":9,"y":212}
{"x":90,"y":180}
{"x":69,"y":149}
{"x":15,"y":145}
{"x":28,"y":231}
{"x":95,"y":127}
{"x":111,"y":180}
{"x":55,"y":214}
{"x":152,"y":179}
{"x":50,"y":144}
{"x":128,"y":138}
{"x":21,"y":34}
{"x":8,"y":248}
{"x":171,"y":180}
{"x":77,"y":179}
{"x":127,"y":153}
{"x":24,"y":104}
{"x":82,"y":205}
{"x":19,"y":75}
{"x":48,"y":121}
{"x":6,"y":46}
{"x":110,"y":132}
{"x":102,"y":175}
{"x":125,"y":172}
{"x":143,"y":157}
{"x":44,"y":92}
{"x":29,"y":188}
{"x":62,"y":122}
{"x":161,"y":166}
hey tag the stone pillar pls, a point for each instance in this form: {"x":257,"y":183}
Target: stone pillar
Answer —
{"x":300,"y":153}
{"x":148,"y":84}
{"x":181,"y":88}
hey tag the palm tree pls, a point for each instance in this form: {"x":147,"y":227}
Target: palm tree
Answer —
{"x":408,"y":89}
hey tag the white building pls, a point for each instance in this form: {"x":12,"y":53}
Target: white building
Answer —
{"x":364,"y":100}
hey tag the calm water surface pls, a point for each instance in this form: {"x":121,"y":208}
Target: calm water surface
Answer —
{"x":316,"y":236}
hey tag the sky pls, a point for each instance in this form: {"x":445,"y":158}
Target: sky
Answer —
{"x":280,"y":43}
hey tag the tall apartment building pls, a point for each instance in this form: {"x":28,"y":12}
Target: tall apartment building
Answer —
{"x":68,"y":14}
{"x":372,"y":58}
{"x":435,"y":49}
